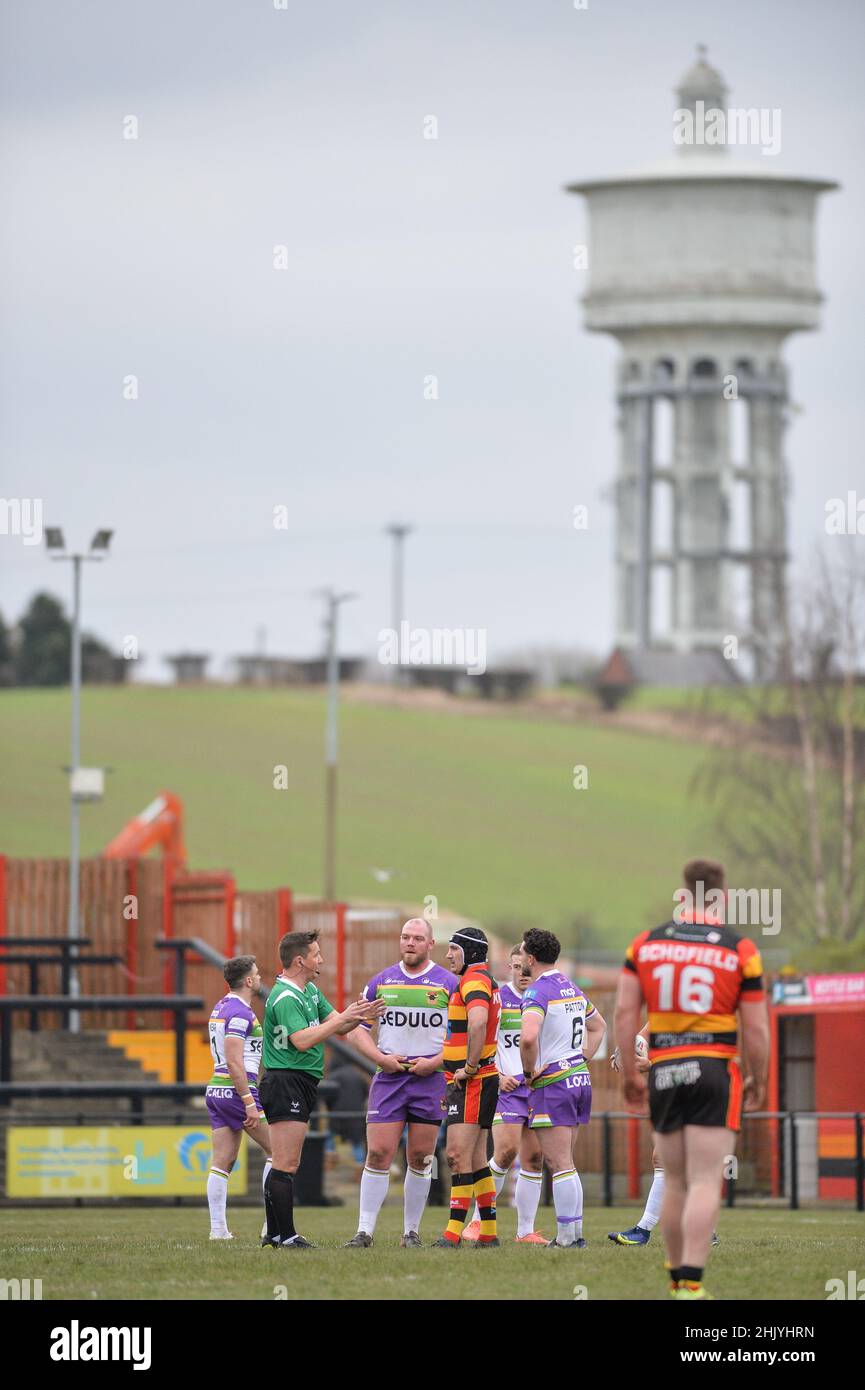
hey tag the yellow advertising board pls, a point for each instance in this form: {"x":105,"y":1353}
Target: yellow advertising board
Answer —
{"x":113,"y":1161}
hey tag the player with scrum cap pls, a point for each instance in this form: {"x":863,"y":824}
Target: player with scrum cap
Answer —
{"x":472,"y":1088}
{"x":511,"y":1133}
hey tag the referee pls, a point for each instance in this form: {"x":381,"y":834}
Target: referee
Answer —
{"x":297,"y":1022}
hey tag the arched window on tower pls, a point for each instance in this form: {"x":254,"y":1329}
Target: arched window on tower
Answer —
{"x":704,"y":369}
{"x":664,"y":369}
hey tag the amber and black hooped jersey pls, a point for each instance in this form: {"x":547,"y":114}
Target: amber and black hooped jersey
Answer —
{"x":475,"y":989}
{"x":693,"y":975}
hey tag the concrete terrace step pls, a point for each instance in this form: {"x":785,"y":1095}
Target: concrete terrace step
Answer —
{"x":72,"y":1057}
{"x":51,"y":1055}
{"x":155,"y":1050}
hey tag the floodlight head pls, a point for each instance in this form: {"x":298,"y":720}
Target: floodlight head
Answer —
{"x":101,"y":540}
{"x":54,"y":538}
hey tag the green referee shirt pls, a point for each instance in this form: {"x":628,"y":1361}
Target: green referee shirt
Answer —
{"x":288,"y":1010}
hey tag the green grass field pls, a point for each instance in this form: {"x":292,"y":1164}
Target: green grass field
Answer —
{"x":477,"y":809}
{"x":165,"y":1254}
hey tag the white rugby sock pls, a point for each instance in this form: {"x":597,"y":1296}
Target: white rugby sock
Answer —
{"x":499,"y":1175}
{"x":528,"y":1197}
{"x":415,"y":1194}
{"x":566,"y":1196}
{"x":217,"y":1196}
{"x":578,"y":1224}
{"x":373,"y":1190}
{"x":652,"y":1214}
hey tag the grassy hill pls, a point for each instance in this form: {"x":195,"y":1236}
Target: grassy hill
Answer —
{"x":478,"y":810}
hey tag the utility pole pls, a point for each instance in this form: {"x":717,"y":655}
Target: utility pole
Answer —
{"x":398,"y":530}
{"x":74,"y":923}
{"x":331,"y":746}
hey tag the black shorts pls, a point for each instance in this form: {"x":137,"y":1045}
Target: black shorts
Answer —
{"x":288,"y":1095}
{"x":695,"y":1091}
{"x":473,"y":1103}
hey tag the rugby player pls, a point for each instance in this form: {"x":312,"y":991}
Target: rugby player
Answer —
{"x":472,"y":1086}
{"x":511,"y":1134}
{"x":641,"y":1233}
{"x":409,"y":1086}
{"x":561,"y":1030}
{"x":297,"y":1021}
{"x":232,"y":1094}
{"x":693,"y":976}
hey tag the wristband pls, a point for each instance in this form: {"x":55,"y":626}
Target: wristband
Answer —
{"x":247,"y":1098}
{"x":471,"y":1068}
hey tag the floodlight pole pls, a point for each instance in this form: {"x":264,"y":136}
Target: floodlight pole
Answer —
{"x":73,"y":927}
{"x":331,"y":743}
{"x":398,"y":530}
{"x":74,"y":924}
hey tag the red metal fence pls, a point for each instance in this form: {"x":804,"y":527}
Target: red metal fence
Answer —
{"x":126,"y":905}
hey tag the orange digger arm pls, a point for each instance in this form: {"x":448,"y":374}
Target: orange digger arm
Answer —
{"x":160,"y":823}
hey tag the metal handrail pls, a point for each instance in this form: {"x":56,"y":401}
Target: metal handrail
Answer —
{"x":109,"y":1003}
{"x":211,"y":956}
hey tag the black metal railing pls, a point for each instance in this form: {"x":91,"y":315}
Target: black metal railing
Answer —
{"x":96,"y":1003}
{"x":63,"y":959}
{"x":139,"y":1094}
{"x":210,"y":955}
{"x":65,"y":952}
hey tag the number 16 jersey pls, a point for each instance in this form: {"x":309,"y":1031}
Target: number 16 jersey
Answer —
{"x":693,"y":975}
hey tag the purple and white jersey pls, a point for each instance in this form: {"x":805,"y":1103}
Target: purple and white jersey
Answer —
{"x":231,"y":1018}
{"x":564,"y":1010}
{"x":508,"y":1060}
{"x":415,"y":1020}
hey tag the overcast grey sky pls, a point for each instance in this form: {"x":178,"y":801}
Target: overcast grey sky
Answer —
{"x":406,"y":257}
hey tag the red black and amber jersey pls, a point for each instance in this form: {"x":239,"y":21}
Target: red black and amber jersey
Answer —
{"x":476,"y":989}
{"x":693,"y":976}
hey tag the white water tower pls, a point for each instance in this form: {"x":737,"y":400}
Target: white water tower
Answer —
{"x":701,"y":266}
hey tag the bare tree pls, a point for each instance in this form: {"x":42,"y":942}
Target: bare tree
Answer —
{"x":788,"y":777}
